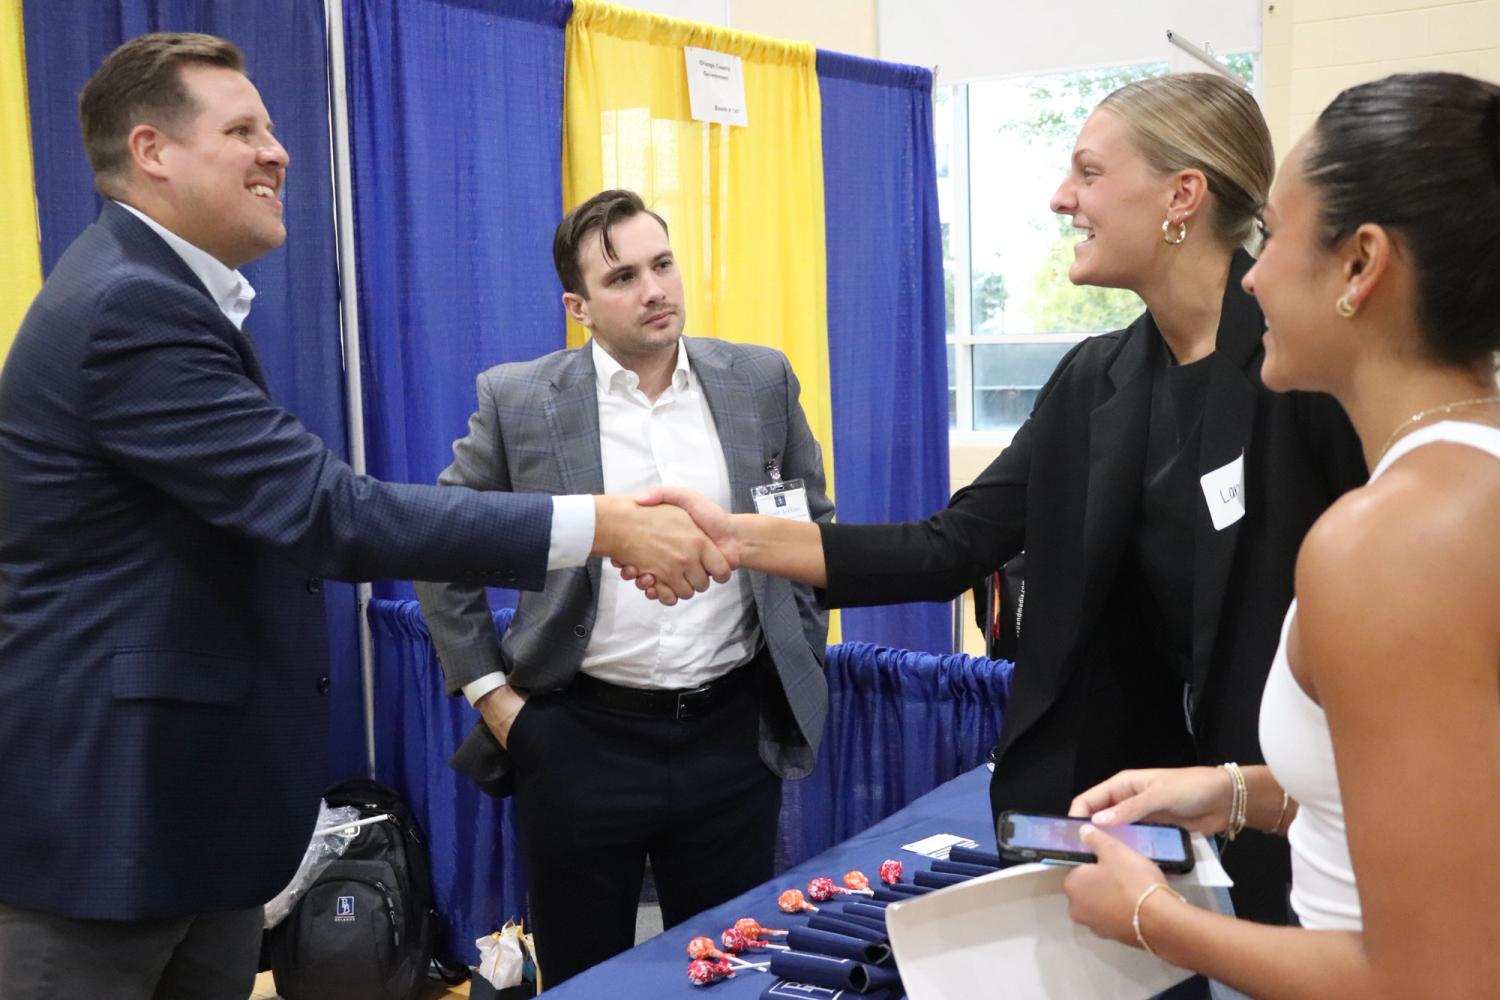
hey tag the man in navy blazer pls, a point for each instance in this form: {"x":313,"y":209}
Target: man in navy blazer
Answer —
{"x":163,"y":529}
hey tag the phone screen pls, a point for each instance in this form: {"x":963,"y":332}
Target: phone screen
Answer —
{"x":1056,"y":833}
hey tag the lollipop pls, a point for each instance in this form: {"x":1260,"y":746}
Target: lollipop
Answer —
{"x":752,"y":928}
{"x":891,"y":871}
{"x":791,"y":901}
{"x":702,"y":972}
{"x":856,"y":881}
{"x":703,"y":947}
{"x":735,"y":940}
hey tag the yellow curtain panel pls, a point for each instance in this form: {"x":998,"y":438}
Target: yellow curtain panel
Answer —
{"x":745,"y":204}
{"x":20,"y":249}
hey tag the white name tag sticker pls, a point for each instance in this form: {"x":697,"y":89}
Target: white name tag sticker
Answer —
{"x":782,"y":499}
{"x":716,"y":86}
{"x":1224,"y":490}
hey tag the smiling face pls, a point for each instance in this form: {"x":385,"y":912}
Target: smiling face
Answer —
{"x":1297,"y":280}
{"x":220,"y":174}
{"x":1114,"y":196}
{"x":634,"y":302}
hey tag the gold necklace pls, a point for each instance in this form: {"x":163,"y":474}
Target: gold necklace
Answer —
{"x":1431,"y":411}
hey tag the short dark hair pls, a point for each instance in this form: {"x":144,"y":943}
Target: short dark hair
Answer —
{"x":1419,"y":153}
{"x":142,"y":81}
{"x":599,"y":214}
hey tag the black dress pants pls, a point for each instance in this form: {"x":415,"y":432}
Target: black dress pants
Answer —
{"x":599,"y":790}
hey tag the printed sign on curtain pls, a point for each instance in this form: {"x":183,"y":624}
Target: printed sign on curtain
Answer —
{"x":716,"y":86}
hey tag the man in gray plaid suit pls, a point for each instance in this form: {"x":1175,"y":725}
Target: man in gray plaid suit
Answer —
{"x":626,"y":729}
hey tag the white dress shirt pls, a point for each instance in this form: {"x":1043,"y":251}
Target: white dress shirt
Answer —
{"x":637,"y":642}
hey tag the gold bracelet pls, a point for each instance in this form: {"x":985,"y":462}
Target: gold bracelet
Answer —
{"x":1239,"y":801}
{"x":1286,"y":800}
{"x":1135,"y":920}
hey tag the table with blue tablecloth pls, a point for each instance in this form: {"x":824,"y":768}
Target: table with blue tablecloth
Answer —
{"x":657,"y":968}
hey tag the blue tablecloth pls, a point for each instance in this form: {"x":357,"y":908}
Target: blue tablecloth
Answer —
{"x":658,"y":968}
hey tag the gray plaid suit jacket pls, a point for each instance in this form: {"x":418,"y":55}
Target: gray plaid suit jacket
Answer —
{"x":537,"y":429}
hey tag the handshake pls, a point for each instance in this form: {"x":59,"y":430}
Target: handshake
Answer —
{"x":671,"y":541}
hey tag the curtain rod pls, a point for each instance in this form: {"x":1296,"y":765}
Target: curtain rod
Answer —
{"x":1202,"y":55}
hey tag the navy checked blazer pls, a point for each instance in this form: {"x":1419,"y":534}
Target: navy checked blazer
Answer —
{"x":537,"y":428}
{"x":163,"y":654}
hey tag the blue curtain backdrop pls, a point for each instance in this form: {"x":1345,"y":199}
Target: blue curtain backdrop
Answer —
{"x":477,"y":877}
{"x":295,"y":320}
{"x":887,"y":362}
{"x":899,"y":725}
{"x":455,"y":113}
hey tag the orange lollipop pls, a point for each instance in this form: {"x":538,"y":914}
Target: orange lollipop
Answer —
{"x":856,"y":880}
{"x":752,"y":928}
{"x":792,"y":901}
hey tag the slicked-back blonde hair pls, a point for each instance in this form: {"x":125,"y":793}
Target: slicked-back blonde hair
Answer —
{"x":1207,"y":122}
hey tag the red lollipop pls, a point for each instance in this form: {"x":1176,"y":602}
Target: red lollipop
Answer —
{"x":702,"y":972}
{"x":856,"y":881}
{"x":752,"y":928}
{"x":823,"y":889}
{"x":791,"y":901}
{"x":891,"y":871}
{"x":734,"y":940}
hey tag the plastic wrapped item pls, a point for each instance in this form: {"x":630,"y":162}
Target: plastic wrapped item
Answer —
{"x":501,"y":957}
{"x":335,"y":828}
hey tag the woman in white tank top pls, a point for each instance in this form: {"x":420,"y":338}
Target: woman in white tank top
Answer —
{"x":1380,"y":282}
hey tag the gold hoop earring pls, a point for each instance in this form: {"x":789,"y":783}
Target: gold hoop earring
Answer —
{"x":1344,"y":307}
{"x":1166,"y":231}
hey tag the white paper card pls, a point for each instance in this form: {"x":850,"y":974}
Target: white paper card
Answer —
{"x":938,"y":845}
{"x":716,"y":86}
{"x":952,"y":944}
{"x":1224,"y":490}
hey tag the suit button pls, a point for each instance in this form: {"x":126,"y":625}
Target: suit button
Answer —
{"x":580,"y":631}
{"x":510,"y":578}
{"x":314,"y":585}
{"x":324,"y":684}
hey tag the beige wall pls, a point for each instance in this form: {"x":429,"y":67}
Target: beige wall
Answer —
{"x":1312,"y":49}
{"x":841,"y":25}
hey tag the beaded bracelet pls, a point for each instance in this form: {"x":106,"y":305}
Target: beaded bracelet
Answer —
{"x":1135,"y":920}
{"x":1238,"y":802}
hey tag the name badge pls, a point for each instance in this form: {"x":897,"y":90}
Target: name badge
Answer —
{"x":1224,"y":490}
{"x":782,"y":498}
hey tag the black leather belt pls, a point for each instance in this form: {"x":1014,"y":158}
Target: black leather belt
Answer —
{"x":668,"y":703}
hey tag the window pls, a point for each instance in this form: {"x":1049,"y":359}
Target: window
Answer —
{"x":1002,"y":148}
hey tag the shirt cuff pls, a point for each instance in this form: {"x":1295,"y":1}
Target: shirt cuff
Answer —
{"x":572,"y":532}
{"x":474,"y":690}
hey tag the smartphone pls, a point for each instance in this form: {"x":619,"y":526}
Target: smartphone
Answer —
{"x":1032,"y":837}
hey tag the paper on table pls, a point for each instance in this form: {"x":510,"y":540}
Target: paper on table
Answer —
{"x":1008,"y":935}
{"x":938,"y":845}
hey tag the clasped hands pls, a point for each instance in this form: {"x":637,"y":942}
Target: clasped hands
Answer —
{"x":671,"y":541}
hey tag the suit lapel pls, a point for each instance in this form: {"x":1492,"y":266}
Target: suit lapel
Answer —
{"x":1228,"y":422}
{"x":1117,"y":443}
{"x":572,"y":412}
{"x":731,"y":401}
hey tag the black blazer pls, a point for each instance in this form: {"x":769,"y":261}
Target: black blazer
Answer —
{"x":1088,"y":698}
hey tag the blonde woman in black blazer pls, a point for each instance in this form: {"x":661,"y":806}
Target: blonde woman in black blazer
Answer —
{"x":1159,"y":489}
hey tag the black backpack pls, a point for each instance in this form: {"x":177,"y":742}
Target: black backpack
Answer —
{"x":364,"y":930}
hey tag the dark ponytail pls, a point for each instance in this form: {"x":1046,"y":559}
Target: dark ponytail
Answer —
{"x":1419,"y":154}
